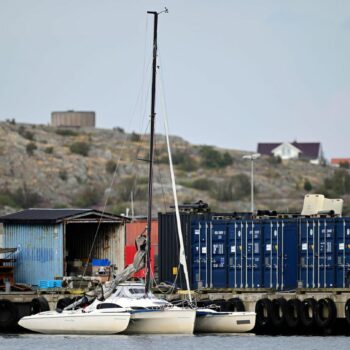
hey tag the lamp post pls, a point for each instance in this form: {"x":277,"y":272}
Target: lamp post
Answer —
{"x":252,"y":157}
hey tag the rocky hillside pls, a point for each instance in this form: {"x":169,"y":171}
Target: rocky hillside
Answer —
{"x":43,"y":166}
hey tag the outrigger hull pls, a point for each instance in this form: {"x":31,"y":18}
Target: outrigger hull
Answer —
{"x":77,"y":322}
{"x":224,"y":322}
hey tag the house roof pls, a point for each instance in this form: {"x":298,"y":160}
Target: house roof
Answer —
{"x":37,"y":215}
{"x":266,"y":148}
{"x":308,"y":149}
{"x":340,"y":160}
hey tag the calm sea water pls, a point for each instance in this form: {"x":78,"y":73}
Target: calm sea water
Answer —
{"x":169,"y":342}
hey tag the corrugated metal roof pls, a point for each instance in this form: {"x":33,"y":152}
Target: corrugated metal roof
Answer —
{"x":37,"y":215}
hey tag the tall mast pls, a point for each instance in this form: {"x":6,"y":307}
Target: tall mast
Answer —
{"x":151,"y":152}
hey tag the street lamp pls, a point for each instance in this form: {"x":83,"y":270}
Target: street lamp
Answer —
{"x":252,"y":157}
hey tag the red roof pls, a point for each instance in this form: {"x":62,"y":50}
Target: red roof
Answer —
{"x":340,"y":160}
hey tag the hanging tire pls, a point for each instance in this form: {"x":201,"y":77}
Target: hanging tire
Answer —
{"x":293,"y":312}
{"x":219,"y":304}
{"x":235,"y":305}
{"x":307,"y":312}
{"x":204,"y":303}
{"x":347,"y":311}
{"x":39,"y":305}
{"x":278,"y":314}
{"x":263,"y":309}
{"x":325,"y":313}
{"x":64,"y":302}
{"x":8,"y":314}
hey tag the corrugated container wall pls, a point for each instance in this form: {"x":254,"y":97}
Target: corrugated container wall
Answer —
{"x":40,"y":251}
{"x":342,"y":253}
{"x":317,"y":264}
{"x":168,"y":255}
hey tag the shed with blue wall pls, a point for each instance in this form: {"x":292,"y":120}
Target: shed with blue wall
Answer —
{"x":48,"y":240}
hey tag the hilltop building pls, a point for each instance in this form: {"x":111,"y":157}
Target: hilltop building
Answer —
{"x":311,"y":151}
{"x":73,"y":119}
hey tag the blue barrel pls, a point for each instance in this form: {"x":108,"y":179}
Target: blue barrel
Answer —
{"x":342,"y":252}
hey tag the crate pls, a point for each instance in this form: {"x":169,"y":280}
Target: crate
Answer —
{"x":46,"y":284}
{"x":100,"y":262}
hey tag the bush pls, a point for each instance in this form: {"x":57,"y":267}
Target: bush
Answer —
{"x":134,"y":137}
{"x":211,"y":158}
{"x":307,"y":185}
{"x":128,"y":185}
{"x":88,"y":196}
{"x":25,"y":198}
{"x":234,"y":188}
{"x":49,"y":150}
{"x":184,"y":161}
{"x":81,"y":148}
{"x":11,"y":121}
{"x":119,"y":209}
{"x":6,"y":198}
{"x":111,"y":166}
{"x":338,"y":184}
{"x":120,"y":130}
{"x":203,"y":184}
{"x":30,"y":148}
{"x":274,"y":160}
{"x":344,"y":165}
{"x":63,"y":175}
{"x":66,"y":132}
{"x":26,"y":133}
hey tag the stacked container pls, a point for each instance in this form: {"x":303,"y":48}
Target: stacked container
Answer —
{"x":317,"y":252}
{"x":282,"y":254}
{"x":342,"y":252}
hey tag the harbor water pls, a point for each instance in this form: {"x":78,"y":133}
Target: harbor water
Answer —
{"x":171,"y":342}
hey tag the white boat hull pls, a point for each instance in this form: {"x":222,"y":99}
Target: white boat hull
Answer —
{"x":77,"y":322}
{"x":224,"y":322}
{"x":168,"y":321}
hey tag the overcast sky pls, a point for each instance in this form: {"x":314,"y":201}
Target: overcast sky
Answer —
{"x":234,"y":72}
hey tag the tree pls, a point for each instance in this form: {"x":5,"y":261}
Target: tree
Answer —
{"x":30,"y":148}
{"x":307,"y":185}
{"x":81,"y":148}
{"x":111,"y":166}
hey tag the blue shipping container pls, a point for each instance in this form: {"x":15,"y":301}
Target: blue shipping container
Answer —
{"x":244,"y":254}
{"x":342,"y":253}
{"x":280,"y":254}
{"x":316,"y":252}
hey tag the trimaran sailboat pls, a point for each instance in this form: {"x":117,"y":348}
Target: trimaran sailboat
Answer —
{"x":122,"y":307}
{"x":130,"y":307}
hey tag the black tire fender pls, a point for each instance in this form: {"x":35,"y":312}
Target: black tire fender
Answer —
{"x":325,"y":313}
{"x":263,"y":309}
{"x":307,"y":312}
{"x":279,"y":307}
{"x":293,"y":312}
{"x":39,"y":304}
{"x":8,"y":314}
{"x":235,"y":305}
